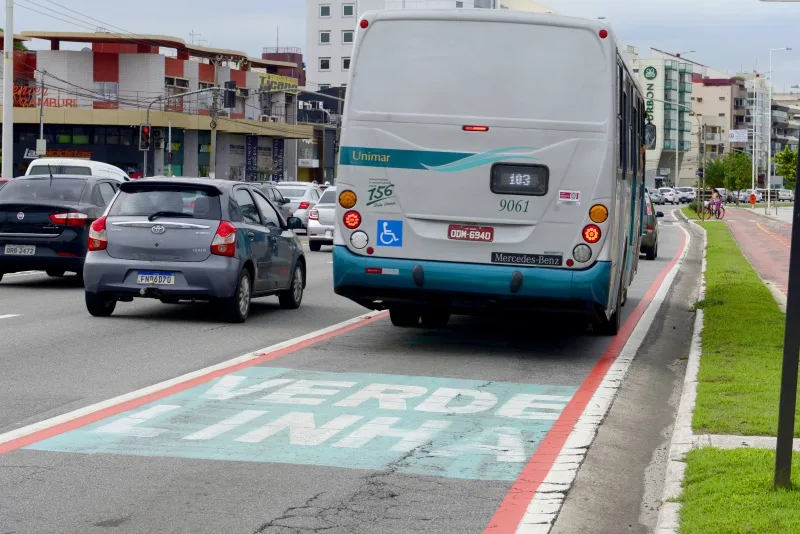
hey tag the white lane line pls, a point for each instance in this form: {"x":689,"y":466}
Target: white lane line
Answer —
{"x":110,"y":403}
{"x":9,"y":316}
{"x":23,"y":273}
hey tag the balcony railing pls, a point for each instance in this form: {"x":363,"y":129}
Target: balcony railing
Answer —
{"x":686,"y":126}
{"x":669,"y":144}
{"x":686,"y":67}
{"x":670,"y":124}
{"x":671,"y":64}
{"x":685,"y":145}
{"x":713,"y":137}
{"x":685,"y":88}
{"x":671,"y":85}
{"x":282,"y":50}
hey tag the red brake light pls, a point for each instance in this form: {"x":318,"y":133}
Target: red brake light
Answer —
{"x":352,"y":220}
{"x":98,"y":239}
{"x":313,"y":215}
{"x":224,"y":243}
{"x":69,"y":219}
{"x":651,"y":227}
{"x":591,"y":233}
{"x":474,"y":128}
{"x":304,"y":205}
{"x":364,"y":23}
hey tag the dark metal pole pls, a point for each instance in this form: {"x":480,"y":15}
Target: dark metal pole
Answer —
{"x":791,"y":350}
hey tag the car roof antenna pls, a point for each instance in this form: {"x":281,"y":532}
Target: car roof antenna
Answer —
{"x":49,"y":170}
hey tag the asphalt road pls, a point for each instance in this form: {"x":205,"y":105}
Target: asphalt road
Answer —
{"x":368,"y":428}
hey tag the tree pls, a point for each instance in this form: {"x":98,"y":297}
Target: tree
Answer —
{"x":786,"y":166}
{"x":738,"y":171}
{"x":714,"y":173}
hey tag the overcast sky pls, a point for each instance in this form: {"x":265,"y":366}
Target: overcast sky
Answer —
{"x":728,"y":35}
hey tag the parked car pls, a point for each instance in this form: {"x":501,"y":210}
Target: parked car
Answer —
{"x":669,"y":195}
{"x":744,"y":196}
{"x":75,"y":166}
{"x":686,"y":194}
{"x":44,"y":221}
{"x":276,"y":197}
{"x":649,"y":243}
{"x":655,"y":196}
{"x":229,"y":247}
{"x":321,"y":220}
{"x":786,"y":195}
{"x":302,"y":196}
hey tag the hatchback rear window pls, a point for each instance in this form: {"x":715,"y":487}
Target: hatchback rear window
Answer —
{"x":59,"y":169}
{"x":43,"y":190}
{"x":328,"y":197}
{"x":145,"y":200}
{"x":293,"y":192}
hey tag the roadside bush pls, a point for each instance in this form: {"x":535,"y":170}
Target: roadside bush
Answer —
{"x":694,"y":205}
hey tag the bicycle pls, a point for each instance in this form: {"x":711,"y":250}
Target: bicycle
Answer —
{"x":713,"y":209}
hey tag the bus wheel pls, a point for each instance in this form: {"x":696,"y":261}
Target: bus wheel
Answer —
{"x":610,"y":326}
{"x":405,"y":317}
{"x":435,"y":318}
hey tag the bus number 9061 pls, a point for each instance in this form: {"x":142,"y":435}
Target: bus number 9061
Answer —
{"x":514,"y":206}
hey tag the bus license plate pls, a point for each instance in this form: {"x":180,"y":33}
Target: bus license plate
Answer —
{"x":155,"y":278}
{"x":460,"y":232}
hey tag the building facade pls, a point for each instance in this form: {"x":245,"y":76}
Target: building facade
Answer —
{"x":92,"y":102}
{"x":331,"y":29}
{"x":721,"y":105}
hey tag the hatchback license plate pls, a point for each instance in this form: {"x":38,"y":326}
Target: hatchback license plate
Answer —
{"x":20,"y":250}
{"x":460,"y":232}
{"x":144,"y":277}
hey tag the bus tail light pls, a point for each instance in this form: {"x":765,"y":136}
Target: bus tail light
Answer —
{"x":591,"y":233}
{"x":582,"y":253}
{"x":598,"y":213}
{"x":347,"y":199}
{"x":352,"y":220}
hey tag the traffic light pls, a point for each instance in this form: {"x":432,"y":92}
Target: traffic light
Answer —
{"x":229,"y":97}
{"x":144,"y":137}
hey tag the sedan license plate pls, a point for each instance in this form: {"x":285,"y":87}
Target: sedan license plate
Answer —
{"x":20,"y":250}
{"x":155,"y":278}
{"x":329,"y":233}
{"x":460,"y":232}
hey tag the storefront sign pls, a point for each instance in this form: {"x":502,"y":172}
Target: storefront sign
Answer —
{"x":30,"y":97}
{"x":236,"y":150}
{"x":308,"y":163}
{"x":65,"y":153}
{"x":274,"y":82}
{"x":277,"y":153}
{"x":251,"y":158}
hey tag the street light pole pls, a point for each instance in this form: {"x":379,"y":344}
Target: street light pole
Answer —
{"x":8,"y":93}
{"x":769,"y":137}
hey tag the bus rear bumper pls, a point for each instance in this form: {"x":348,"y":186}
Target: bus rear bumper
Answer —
{"x":378,"y":282}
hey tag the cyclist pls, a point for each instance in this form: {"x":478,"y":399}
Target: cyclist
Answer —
{"x":716,"y":200}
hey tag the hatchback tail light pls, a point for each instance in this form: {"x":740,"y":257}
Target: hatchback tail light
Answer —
{"x":98,"y":238}
{"x":313,"y":215}
{"x":224,"y":243}
{"x":304,"y":205}
{"x":73,"y":218}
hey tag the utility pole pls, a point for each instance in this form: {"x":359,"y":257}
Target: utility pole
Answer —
{"x":169,"y":140}
{"x":212,"y":158}
{"x":8,"y":93}
{"x":41,"y":144}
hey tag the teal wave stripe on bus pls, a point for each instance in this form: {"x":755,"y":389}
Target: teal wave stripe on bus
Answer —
{"x":430,"y":160}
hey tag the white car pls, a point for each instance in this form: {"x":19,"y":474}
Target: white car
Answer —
{"x":321,"y":220}
{"x":786,"y":195}
{"x":686,"y":194}
{"x":302,"y":196}
{"x":744,"y":196}
{"x":670,"y":195}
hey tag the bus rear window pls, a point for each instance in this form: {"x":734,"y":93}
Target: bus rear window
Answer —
{"x":482,"y":69}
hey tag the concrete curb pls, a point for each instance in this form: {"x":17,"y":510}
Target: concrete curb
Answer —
{"x":682,"y":437}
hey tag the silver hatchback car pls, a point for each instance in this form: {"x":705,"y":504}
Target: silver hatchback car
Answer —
{"x":322,"y":220}
{"x":193,"y":239}
{"x":302,"y":197}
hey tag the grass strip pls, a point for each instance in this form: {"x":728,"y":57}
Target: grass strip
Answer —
{"x":742,"y":345}
{"x":730,"y":492}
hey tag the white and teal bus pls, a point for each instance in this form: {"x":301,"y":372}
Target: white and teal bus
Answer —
{"x":490,"y":160}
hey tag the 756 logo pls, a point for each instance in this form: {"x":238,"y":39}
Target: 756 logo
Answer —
{"x":380,"y":193}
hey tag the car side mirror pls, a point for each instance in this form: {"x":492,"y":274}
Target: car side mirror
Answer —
{"x":294,"y":223}
{"x":659,"y":214}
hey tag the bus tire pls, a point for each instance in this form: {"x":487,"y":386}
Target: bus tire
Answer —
{"x":610,"y":326}
{"x":404,"y":317}
{"x":435,"y":318}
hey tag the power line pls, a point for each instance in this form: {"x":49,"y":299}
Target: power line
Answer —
{"x":51,"y":16}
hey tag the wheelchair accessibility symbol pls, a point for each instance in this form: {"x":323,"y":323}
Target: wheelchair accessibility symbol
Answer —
{"x":390,"y":233}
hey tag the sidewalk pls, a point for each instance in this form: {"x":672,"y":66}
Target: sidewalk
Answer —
{"x":721,"y":455}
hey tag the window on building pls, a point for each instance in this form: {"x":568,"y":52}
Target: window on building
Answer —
{"x":324,"y":86}
{"x":699,"y":99}
{"x":64,"y":136}
{"x":325,"y":37}
{"x":722,"y":98}
{"x":345,"y":63}
{"x":721,"y":114}
{"x":204,"y":99}
{"x":325,"y":11}
{"x":347,"y":36}
{"x":80,"y":136}
{"x":348,"y":10}
{"x":107,"y":90}
{"x":126,"y":137}
{"x":324,"y":63}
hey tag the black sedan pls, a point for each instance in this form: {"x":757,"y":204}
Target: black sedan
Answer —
{"x":44,"y":221}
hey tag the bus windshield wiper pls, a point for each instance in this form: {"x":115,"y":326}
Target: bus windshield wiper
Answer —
{"x":158,"y":214}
